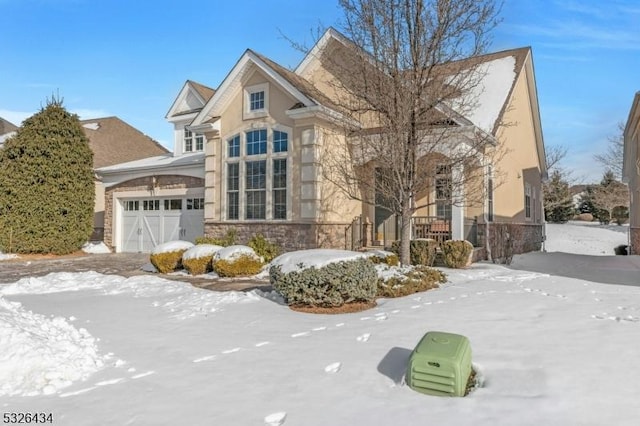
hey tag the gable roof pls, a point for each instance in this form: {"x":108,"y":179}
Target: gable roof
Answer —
{"x":113,"y":141}
{"x":301,"y":90}
{"x":200,"y":94}
{"x":7,"y":127}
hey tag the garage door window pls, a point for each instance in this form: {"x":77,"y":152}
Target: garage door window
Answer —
{"x":173,"y":204}
{"x":131,"y":205}
{"x":151,"y":205}
{"x":195,"y":203}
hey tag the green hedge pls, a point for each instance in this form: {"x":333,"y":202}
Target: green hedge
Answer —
{"x":457,"y":254}
{"x":421,"y":251}
{"x":332,"y":285}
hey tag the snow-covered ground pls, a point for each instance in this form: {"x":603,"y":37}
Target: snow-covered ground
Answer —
{"x":93,"y":349}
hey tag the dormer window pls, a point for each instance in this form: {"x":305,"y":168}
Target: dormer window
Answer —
{"x":256,"y":101}
{"x":193,"y":142}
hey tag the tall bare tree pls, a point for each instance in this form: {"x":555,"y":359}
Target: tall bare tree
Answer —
{"x":406,"y":67}
{"x":609,"y":195}
{"x":613,"y":157}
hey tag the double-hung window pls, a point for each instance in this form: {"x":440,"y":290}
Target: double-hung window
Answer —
{"x":233,"y":191}
{"x":279,"y":185}
{"x":188,"y":140}
{"x":256,"y":189}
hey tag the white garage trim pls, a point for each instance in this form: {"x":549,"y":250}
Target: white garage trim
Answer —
{"x":156,"y":226}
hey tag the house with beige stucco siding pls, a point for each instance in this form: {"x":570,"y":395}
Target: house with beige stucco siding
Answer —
{"x":260,"y":145}
{"x":631,"y":172}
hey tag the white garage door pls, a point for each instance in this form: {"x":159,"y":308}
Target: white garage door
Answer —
{"x":152,"y":221}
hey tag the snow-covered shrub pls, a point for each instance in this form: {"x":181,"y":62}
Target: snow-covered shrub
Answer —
{"x":264,"y":248}
{"x":457,"y":254}
{"x":228,"y":240}
{"x":331,"y":285}
{"x":398,"y":282}
{"x":383,"y":257}
{"x":237,"y":261}
{"x":421,"y":251}
{"x":167,"y":257}
{"x":198,"y":259}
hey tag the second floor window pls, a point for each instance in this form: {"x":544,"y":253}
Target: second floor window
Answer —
{"x":256,"y":101}
{"x":257,"y":142}
{"x":193,"y":142}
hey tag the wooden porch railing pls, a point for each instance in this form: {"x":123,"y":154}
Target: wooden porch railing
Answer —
{"x":431,"y":227}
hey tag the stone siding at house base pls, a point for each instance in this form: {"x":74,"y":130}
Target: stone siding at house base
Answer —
{"x":289,"y":236}
{"x":508,"y":239}
{"x":634,"y":238}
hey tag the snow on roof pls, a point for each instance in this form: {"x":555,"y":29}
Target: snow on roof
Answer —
{"x":160,"y":161}
{"x":92,"y":126}
{"x":201,"y":250}
{"x":171,"y":246}
{"x":490,"y":95}
{"x":6,"y":136}
{"x":315,"y":258}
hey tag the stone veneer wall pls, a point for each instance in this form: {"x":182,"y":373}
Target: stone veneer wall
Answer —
{"x":634,"y":239}
{"x":143,"y":184}
{"x":511,"y":238}
{"x":289,"y":236}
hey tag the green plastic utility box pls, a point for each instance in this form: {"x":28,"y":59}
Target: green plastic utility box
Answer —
{"x":440,"y":364}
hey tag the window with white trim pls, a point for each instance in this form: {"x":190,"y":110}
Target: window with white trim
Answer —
{"x":527,"y":201}
{"x":443,"y":191}
{"x":256,"y":142}
{"x":233,"y":191}
{"x":190,"y":138}
{"x":233,"y":146}
{"x":256,"y":101}
{"x":490,"y":195}
{"x":256,"y":189}
{"x":280,"y":141}
{"x":256,"y":175}
{"x":279,"y":185}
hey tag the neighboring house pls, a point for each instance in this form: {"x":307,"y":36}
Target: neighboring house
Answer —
{"x":631,"y":172}
{"x":113,"y":141}
{"x":161,"y":198}
{"x":264,"y":131}
{"x":6,"y":130}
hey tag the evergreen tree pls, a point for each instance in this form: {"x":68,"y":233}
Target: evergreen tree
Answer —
{"x":558,"y":203}
{"x":46,"y":184}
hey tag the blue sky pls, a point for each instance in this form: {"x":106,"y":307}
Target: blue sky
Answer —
{"x":130,"y":59}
